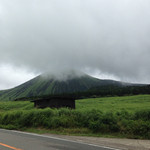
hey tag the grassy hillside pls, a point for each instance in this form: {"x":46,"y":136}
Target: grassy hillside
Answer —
{"x":114,"y":104}
{"x":48,"y":85}
{"x":114,"y":116}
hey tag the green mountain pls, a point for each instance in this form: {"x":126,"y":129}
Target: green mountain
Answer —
{"x":48,"y":85}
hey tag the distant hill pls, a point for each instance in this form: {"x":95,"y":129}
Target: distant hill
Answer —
{"x":48,"y":85}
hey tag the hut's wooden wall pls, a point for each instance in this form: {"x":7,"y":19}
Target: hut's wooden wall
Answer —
{"x":55,"y":103}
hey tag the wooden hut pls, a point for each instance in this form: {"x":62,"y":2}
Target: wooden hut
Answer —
{"x":55,"y":102}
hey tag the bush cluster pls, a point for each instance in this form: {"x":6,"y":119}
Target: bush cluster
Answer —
{"x":133,"y":124}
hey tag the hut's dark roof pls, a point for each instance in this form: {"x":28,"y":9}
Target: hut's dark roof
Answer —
{"x":53,"y":97}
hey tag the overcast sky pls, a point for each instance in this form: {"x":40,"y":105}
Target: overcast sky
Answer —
{"x":105,"y":38}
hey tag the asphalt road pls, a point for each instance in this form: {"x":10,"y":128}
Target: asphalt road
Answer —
{"x":16,"y":140}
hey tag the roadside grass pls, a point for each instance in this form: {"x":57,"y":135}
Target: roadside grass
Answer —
{"x":127,"y":116}
{"x":73,"y":132}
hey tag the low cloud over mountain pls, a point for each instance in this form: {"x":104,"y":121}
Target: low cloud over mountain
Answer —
{"x":111,"y":37}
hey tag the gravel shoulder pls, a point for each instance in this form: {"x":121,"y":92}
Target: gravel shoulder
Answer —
{"x":122,"y":144}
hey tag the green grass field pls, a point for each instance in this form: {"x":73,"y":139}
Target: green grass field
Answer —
{"x":105,"y":104}
{"x":113,"y":104}
{"x":127,"y":116}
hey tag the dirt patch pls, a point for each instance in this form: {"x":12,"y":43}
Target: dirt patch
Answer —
{"x":122,"y":144}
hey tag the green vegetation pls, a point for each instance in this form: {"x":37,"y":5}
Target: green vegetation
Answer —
{"x":127,"y":116}
{"x":114,"y":104}
{"x":116,"y":90}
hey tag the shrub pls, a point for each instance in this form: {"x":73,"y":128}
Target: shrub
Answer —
{"x":137,"y":124}
{"x":143,"y":115}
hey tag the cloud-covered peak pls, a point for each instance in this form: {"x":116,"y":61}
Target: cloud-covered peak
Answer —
{"x":109,"y":36}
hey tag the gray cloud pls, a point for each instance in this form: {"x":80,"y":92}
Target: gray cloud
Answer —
{"x":112,"y":37}
{"x":11,"y":76}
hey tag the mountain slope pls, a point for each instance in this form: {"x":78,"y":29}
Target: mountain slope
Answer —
{"x":49,"y":85}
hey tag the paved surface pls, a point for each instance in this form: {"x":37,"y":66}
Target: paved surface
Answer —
{"x":15,"y":140}
{"x":123,"y":144}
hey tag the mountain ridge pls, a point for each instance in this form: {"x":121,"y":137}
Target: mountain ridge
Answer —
{"x":42,"y":85}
